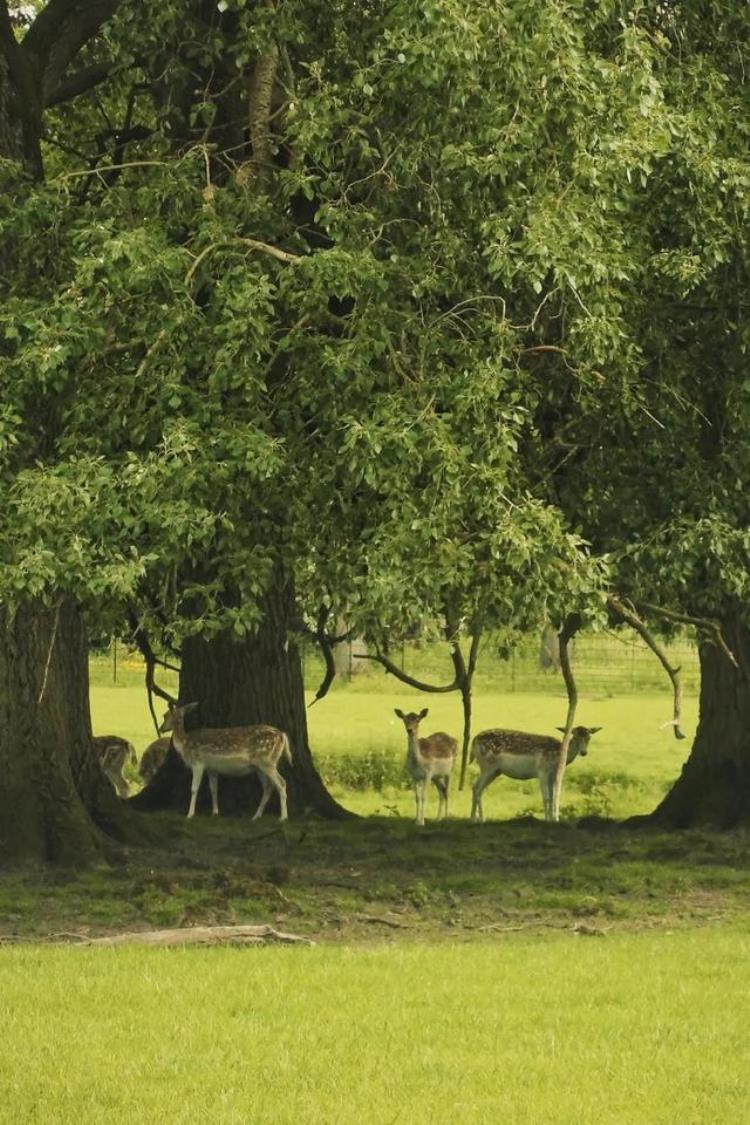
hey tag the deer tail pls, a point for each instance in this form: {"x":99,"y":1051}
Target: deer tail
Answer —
{"x":286,"y":750}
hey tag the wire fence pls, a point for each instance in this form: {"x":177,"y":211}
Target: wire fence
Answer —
{"x":603,"y":664}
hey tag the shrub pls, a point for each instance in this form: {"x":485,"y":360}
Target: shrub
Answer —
{"x":375,"y":769}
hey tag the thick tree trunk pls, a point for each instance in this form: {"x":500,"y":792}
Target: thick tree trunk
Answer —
{"x":52,"y":791}
{"x":714,"y":787}
{"x":239,"y":683}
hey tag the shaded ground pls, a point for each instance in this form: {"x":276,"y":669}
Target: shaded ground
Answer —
{"x":385,"y":878}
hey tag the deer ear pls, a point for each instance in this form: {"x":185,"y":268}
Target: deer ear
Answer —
{"x":423,"y":712}
{"x":399,"y":712}
{"x":188,"y":708}
{"x":593,"y":730}
{"x":561,"y":729}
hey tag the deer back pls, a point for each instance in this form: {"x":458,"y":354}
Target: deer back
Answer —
{"x":493,"y":744}
{"x":153,"y":757}
{"x":261,"y":744}
{"x":438,"y":746}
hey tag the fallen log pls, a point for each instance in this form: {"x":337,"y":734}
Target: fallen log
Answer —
{"x":202,"y":935}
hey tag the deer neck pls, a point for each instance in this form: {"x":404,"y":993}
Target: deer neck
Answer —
{"x":179,"y":737}
{"x":413,"y":753}
{"x":573,"y":750}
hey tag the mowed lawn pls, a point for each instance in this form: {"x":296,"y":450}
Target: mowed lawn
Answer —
{"x":648,"y":1029}
{"x":631,"y":763}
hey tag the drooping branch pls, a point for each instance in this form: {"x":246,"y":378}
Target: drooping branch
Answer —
{"x":251,"y":243}
{"x":704,"y":624}
{"x":628,"y":614}
{"x":141,"y":638}
{"x":326,"y":641}
{"x":570,"y":627}
{"x":405,"y":678}
{"x":467,"y":679}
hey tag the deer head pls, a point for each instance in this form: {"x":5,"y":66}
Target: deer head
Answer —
{"x":581,"y":735}
{"x":412,"y":720}
{"x":174,"y":716}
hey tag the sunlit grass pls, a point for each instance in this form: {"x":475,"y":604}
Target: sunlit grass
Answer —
{"x":643,"y":1029}
{"x":631,"y":762}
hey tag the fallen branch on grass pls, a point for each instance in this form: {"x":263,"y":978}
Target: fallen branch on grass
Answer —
{"x":203,"y":935}
{"x":394,"y":923}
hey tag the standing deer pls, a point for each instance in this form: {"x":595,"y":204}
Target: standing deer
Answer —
{"x":152,"y":758}
{"x":232,"y":751}
{"x":428,"y":759}
{"x":114,"y":753}
{"x":520,"y":755}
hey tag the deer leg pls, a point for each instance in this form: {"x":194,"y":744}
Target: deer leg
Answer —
{"x":423,"y":786}
{"x":198,"y":769}
{"x":481,"y":783}
{"x":276,"y":779}
{"x":554,"y":798}
{"x":267,"y":791}
{"x":441,"y":784}
{"x":546,"y":783}
{"x":442,"y":800}
{"x":213,"y":781}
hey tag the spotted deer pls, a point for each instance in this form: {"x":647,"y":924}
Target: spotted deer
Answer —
{"x":113,"y":754}
{"x":153,"y":757}
{"x":231,"y":751}
{"x":428,"y":760}
{"x":520,"y":755}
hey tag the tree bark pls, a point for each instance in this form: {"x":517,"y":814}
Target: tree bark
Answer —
{"x":714,"y":786}
{"x":240,"y":683}
{"x":53,"y":796}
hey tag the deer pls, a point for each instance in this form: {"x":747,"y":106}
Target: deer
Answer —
{"x":521,"y":755}
{"x":113,"y":754}
{"x":231,"y":751}
{"x":153,"y":757}
{"x":428,"y":760}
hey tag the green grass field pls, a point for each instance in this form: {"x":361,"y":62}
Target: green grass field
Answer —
{"x":644,"y":1029}
{"x":514,"y":970}
{"x":631,"y":762}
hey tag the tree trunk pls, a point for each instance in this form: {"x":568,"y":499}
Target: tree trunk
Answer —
{"x":714,"y":787}
{"x":53,"y":793}
{"x":239,"y":683}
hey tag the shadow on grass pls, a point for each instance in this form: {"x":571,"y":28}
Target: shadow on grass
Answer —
{"x":384,"y":877}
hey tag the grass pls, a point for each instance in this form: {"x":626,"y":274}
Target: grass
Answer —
{"x":627,"y":1030}
{"x":514,"y":970}
{"x":631,"y":764}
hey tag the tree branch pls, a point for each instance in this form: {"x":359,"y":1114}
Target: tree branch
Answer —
{"x":707,"y":624}
{"x":326,"y":649}
{"x":59,"y":32}
{"x":628,"y":614}
{"x":570,"y":627}
{"x":140,"y":636}
{"x":394,"y":670}
{"x":260,"y":92}
{"x":79,"y":83}
{"x":251,"y":243}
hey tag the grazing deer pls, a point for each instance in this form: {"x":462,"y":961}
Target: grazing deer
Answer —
{"x":428,"y":759}
{"x":114,"y":754}
{"x":232,"y":751}
{"x":152,"y":758}
{"x":520,"y":755}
